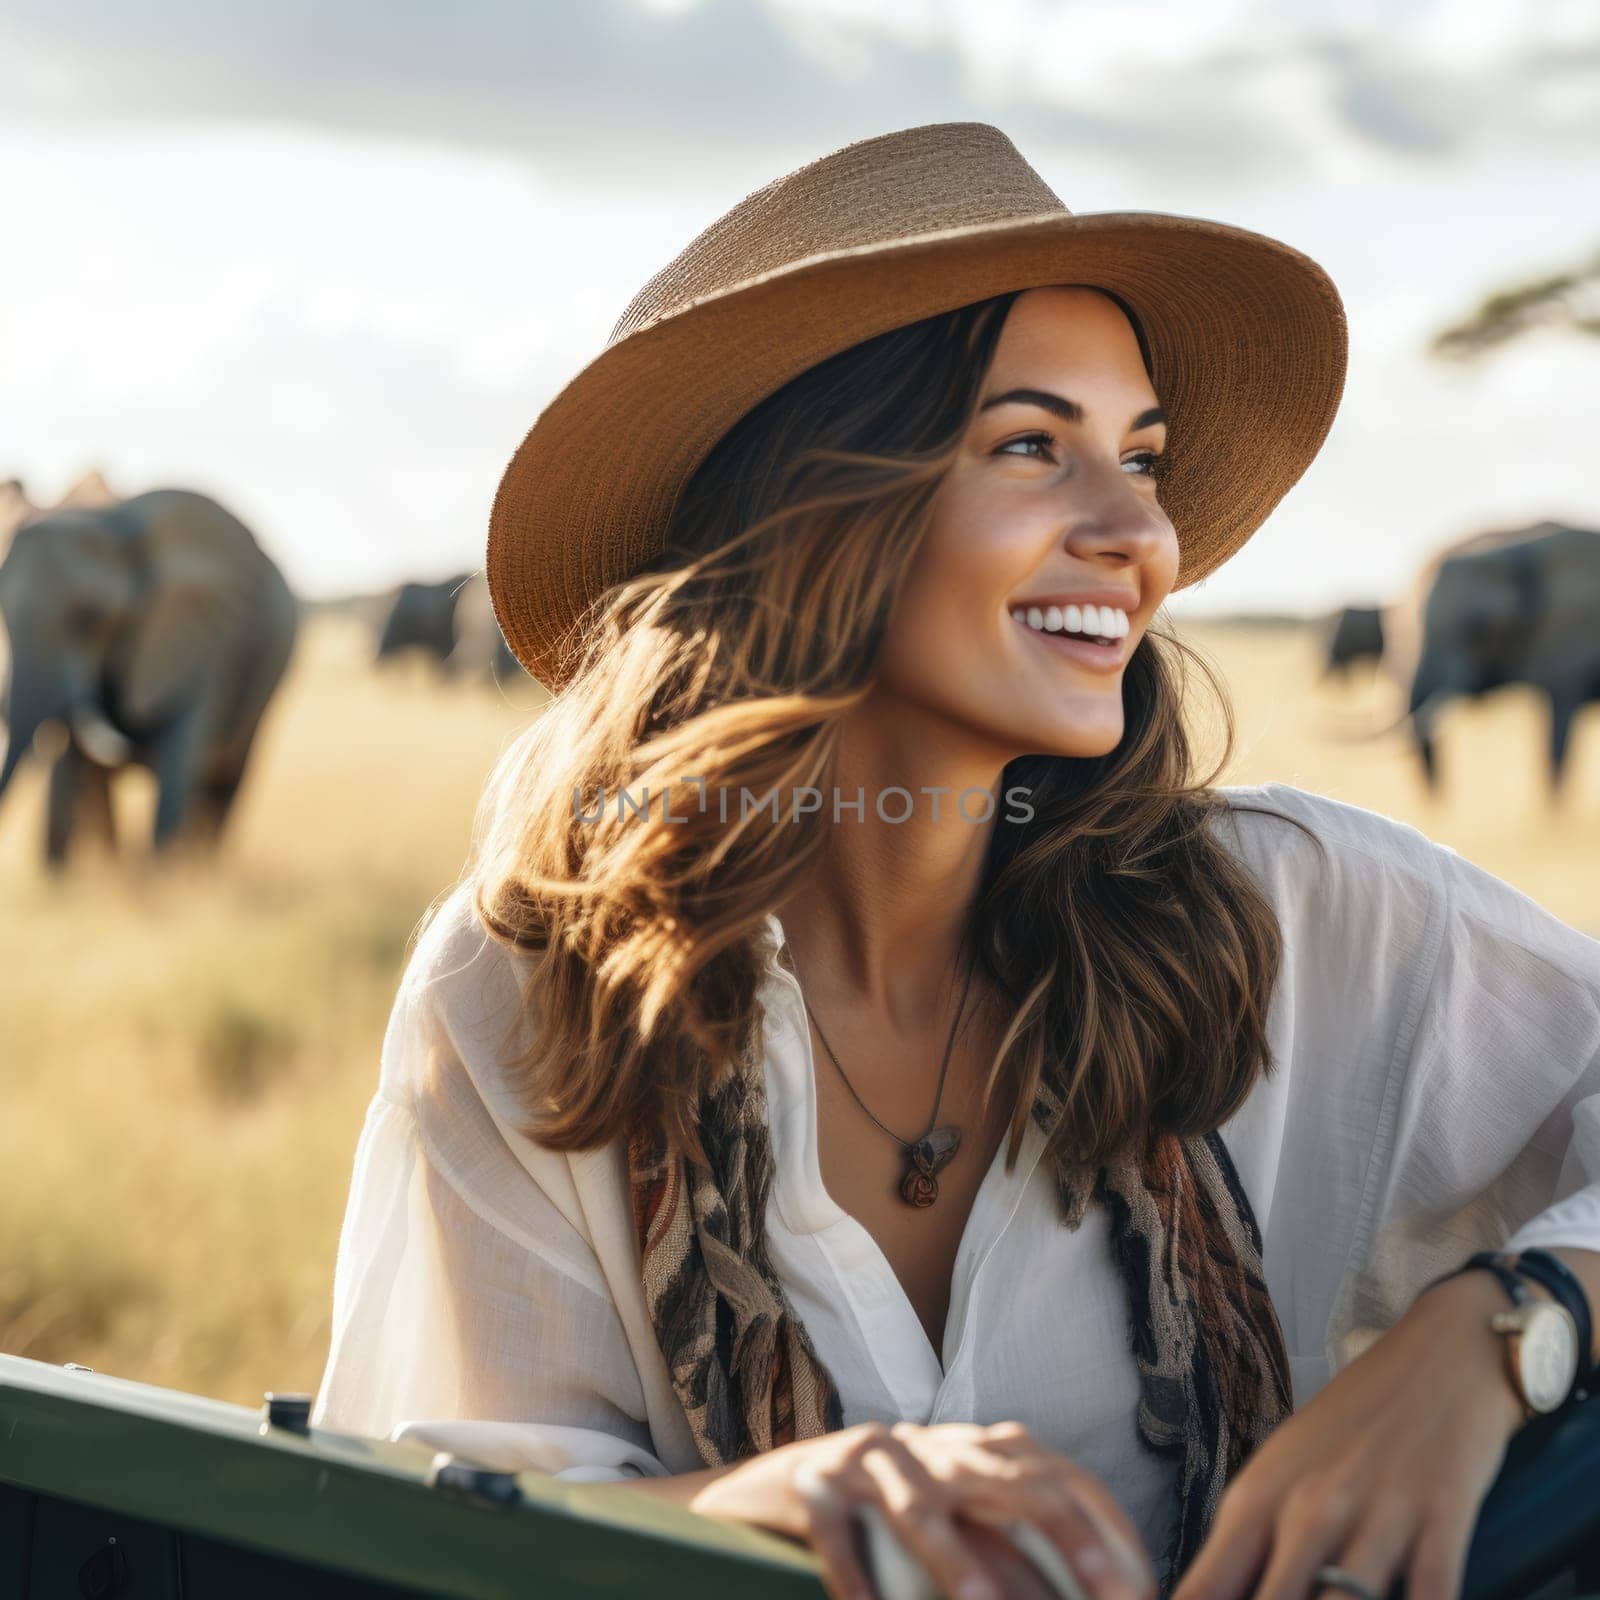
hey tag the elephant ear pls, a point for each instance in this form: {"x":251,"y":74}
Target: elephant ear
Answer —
{"x":196,"y":608}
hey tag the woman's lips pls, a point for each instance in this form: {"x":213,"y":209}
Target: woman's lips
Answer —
{"x":1105,"y":658}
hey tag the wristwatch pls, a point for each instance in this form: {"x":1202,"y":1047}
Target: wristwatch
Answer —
{"x":1566,"y":1290}
{"x":1541,"y":1338}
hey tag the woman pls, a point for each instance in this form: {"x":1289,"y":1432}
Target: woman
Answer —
{"x":1079,"y":1153}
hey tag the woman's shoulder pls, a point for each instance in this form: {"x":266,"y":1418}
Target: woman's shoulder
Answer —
{"x":452,"y":947}
{"x":1332,"y":865}
{"x":1285,"y":831}
{"x":460,"y":1012}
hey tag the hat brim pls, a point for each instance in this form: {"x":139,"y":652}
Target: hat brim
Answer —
{"x":1248,"y":347}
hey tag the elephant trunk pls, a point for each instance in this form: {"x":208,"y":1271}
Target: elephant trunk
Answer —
{"x":1423,"y":713}
{"x":26,"y":713}
{"x":29,"y":709}
{"x":1418,"y":717}
{"x":105,"y":745}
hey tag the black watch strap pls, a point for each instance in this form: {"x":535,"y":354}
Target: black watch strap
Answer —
{"x":1500,"y":1264}
{"x":1556,"y":1276}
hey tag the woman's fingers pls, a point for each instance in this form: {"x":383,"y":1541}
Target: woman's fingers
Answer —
{"x":1082,"y":1519}
{"x":915,"y":1507}
{"x":1393,"y":1534}
{"x":831,"y":1533}
{"x":1312,"y":1526}
{"x":1010,"y":1480}
{"x":975,"y":1512}
{"x":1439,"y":1554}
{"x":1117,"y":1533}
{"x":1376,"y":1551}
{"x":1026,"y":1562}
{"x":1051,"y":1524}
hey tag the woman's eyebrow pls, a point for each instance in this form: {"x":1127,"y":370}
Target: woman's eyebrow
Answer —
{"x":1067,"y":410}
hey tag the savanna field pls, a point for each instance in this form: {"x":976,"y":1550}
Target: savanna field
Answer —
{"x":186,"y":1059}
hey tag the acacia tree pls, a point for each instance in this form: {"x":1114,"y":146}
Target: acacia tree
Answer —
{"x":1568,"y":299}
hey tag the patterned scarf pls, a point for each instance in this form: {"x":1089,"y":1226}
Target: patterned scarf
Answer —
{"x":1213,"y":1369}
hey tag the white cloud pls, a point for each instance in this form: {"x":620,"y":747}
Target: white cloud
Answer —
{"x":613,"y":89}
{"x":345,"y":335}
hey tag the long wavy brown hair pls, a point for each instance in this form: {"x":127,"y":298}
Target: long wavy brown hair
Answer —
{"x":1133,"y":952}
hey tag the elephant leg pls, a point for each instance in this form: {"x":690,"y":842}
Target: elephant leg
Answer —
{"x":230,"y":756}
{"x":65,"y":796}
{"x":1428,"y":754}
{"x":1563,"y":708}
{"x":80,"y":795}
{"x":177,"y":767}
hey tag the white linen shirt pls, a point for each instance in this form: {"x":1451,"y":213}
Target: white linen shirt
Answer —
{"x":1435,"y":1090}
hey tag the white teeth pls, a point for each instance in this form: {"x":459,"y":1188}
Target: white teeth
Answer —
{"x":1094,"y":622}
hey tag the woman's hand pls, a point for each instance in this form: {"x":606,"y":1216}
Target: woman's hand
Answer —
{"x":1383,"y":1471}
{"x":936,"y":1487}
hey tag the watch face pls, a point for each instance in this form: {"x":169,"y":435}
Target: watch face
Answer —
{"x":1548,"y":1356}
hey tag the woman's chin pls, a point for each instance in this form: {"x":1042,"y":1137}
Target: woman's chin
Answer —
{"x":1082,"y":739}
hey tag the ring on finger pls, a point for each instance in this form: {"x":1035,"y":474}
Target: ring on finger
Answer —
{"x":1332,"y":1577}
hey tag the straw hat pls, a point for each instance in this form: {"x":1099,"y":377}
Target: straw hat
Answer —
{"x":1247,"y":342}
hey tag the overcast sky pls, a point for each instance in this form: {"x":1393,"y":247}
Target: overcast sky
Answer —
{"x":327,"y":262}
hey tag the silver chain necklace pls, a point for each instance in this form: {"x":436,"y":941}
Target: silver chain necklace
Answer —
{"x":927,"y":1155}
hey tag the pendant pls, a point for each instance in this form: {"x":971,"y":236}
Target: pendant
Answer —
{"x":919,"y":1186}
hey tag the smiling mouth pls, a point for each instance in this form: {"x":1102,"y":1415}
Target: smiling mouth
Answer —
{"x":1101,"y":652}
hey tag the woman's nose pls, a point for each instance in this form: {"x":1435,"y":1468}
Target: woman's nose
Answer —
{"x":1109,"y":511}
{"x":1130,"y":529}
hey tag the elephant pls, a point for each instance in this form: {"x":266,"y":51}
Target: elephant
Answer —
{"x":422,"y":617}
{"x":154,"y":633}
{"x":453,"y":622}
{"x":16,"y":508}
{"x":1352,"y":634}
{"x":1513,"y":606}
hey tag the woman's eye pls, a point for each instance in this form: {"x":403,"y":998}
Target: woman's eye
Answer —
{"x":1027,"y":438}
{"x":1154,"y":463}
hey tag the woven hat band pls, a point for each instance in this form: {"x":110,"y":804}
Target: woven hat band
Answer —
{"x":877,"y":191}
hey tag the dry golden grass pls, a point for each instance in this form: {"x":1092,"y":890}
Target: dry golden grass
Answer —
{"x":187,"y":1058}
{"x":1493,"y":807}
